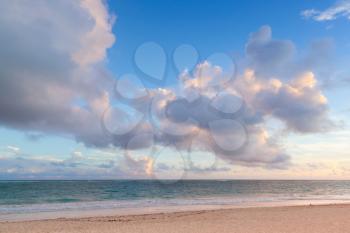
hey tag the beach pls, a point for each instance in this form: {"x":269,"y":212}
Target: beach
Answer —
{"x":202,"y":206}
{"x":308,"y":218}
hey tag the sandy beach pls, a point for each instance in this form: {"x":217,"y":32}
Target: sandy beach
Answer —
{"x":308,"y":219}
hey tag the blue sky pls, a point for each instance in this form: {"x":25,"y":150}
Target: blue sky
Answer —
{"x":214,"y":27}
{"x":299,"y":130}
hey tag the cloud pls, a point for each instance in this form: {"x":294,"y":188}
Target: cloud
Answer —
{"x":32,"y":136}
{"x":276,"y":84}
{"x":50,"y":168}
{"x":214,"y":130}
{"x":14,"y":149}
{"x":94,"y":43}
{"x":53,"y":54}
{"x":54,"y":81}
{"x":75,"y":160}
{"x":268,"y":55}
{"x":339,"y":9}
{"x":299,"y":103}
{"x":87,"y":167}
{"x":75,"y":166}
{"x":140,"y":167}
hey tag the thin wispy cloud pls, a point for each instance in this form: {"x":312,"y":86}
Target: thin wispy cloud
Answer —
{"x":338,"y":10}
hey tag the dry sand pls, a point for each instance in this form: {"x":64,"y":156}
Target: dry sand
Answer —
{"x":308,"y":219}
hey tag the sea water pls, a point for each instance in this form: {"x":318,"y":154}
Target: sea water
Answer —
{"x":37,"y":197}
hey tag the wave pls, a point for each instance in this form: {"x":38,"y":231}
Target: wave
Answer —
{"x":145,"y":203}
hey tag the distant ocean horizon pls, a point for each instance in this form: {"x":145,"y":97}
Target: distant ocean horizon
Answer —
{"x":32,"y":197}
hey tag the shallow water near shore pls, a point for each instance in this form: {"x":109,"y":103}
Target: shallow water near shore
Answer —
{"x":47,"y":199}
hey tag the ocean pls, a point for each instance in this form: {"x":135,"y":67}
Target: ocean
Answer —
{"x":38,"y":197}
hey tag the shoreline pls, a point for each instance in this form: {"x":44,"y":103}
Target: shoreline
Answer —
{"x":274,"y":219}
{"x":166,"y":209}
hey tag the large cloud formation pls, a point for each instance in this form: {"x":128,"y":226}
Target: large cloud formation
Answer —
{"x":53,"y":81}
{"x":298,"y":103}
{"x":205,"y":110}
{"x":51,"y":53}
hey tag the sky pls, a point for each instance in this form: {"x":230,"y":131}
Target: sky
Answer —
{"x":94,"y":89}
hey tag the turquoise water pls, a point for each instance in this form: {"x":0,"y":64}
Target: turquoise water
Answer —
{"x":46,"y":196}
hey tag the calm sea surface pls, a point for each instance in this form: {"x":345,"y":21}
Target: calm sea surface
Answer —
{"x":47,"y":196}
